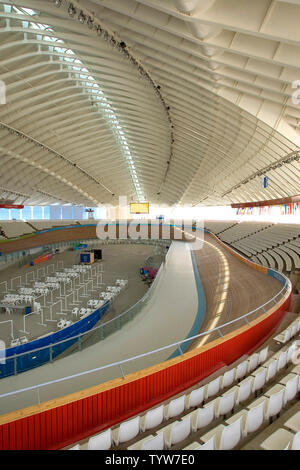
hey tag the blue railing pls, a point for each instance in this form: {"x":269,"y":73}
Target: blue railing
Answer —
{"x":45,"y":349}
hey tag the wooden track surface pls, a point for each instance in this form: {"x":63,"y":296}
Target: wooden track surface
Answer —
{"x":245,"y":287}
{"x":76,"y":233}
{"x":231,"y":288}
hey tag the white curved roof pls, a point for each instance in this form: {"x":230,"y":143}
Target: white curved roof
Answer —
{"x":171,"y":101}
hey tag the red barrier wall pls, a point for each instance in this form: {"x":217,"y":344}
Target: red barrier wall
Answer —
{"x":56,"y":425}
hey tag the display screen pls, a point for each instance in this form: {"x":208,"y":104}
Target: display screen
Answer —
{"x":139,"y":208}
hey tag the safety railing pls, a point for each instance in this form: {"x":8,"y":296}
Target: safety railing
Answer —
{"x":130,"y":314}
{"x":36,"y":389}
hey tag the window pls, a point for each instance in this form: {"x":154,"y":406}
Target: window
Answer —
{"x":27,"y":213}
{"x":15,"y":214}
{"x":37,"y":212}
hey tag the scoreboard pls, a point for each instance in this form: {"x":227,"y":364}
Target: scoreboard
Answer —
{"x":139,"y":208}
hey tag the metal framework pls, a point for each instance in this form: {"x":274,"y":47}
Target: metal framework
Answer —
{"x":169,"y":101}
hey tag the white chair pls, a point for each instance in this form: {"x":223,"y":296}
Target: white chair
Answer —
{"x":291,"y":387}
{"x":279,"y":440}
{"x":244,"y":389}
{"x":152,"y":418}
{"x":202,"y":416}
{"x":126,"y":431}
{"x":281,"y":356}
{"x":175,"y":407}
{"x":195,"y":398}
{"x":263,"y":354}
{"x":253,"y":362}
{"x":283,"y":337}
{"x":296,"y":442}
{"x":227,"y":437}
{"x":101,"y":441}
{"x":212,"y":388}
{"x":290,"y":351}
{"x":76,"y":447}
{"x":61,"y":323}
{"x":271,"y":367}
{"x":259,"y":381}
{"x":241,"y":370}
{"x":177,"y":432}
{"x":251,"y":419}
{"x":149,"y":443}
{"x":294,"y":329}
{"x":225,"y":403}
{"x":273,"y":403}
{"x":228,"y":378}
{"x":209,"y":445}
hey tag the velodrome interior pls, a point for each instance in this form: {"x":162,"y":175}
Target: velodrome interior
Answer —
{"x":149,"y":225}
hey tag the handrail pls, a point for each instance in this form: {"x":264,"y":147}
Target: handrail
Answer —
{"x":244,"y":317}
{"x":163,"y":348}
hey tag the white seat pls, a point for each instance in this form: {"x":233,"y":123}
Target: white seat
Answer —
{"x":263,"y":354}
{"x":273,"y":403}
{"x":149,"y":443}
{"x":291,"y":387}
{"x":177,"y":431}
{"x":126,"y":431}
{"x":281,"y":356}
{"x":175,"y":407}
{"x":152,"y":418}
{"x":253,"y":362}
{"x":293,"y":328}
{"x":244,"y":389}
{"x":296,"y":442}
{"x":202,"y":416}
{"x":290,"y":351}
{"x":271,"y":367}
{"x":283,"y":337}
{"x":209,"y":445}
{"x":195,"y":398}
{"x":259,"y":381}
{"x":251,"y":419}
{"x":212,"y":388}
{"x":228,"y":378}
{"x":241,"y":370}
{"x":101,"y":441}
{"x":225,"y":403}
{"x":279,"y":440}
{"x":76,"y":447}
{"x":227,"y":437}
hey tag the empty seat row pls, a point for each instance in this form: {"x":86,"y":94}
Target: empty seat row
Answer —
{"x":289,"y":332}
{"x":227,"y":436}
{"x":240,"y":425}
{"x":154,"y":417}
{"x":202,"y":416}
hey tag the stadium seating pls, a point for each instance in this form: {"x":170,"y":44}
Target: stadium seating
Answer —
{"x":232,"y":430}
{"x":272,"y":245}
